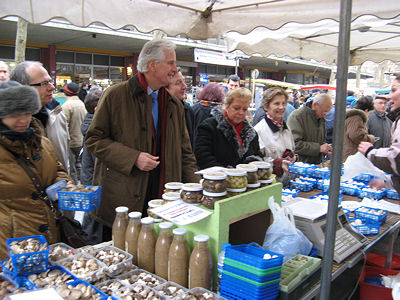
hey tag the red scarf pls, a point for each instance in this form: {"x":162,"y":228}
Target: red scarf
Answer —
{"x":279,"y":124}
{"x":162,"y":108}
{"x":238,"y":129}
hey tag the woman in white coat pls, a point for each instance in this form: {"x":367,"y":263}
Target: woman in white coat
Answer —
{"x":275,"y":138}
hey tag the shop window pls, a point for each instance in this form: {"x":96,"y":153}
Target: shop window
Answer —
{"x":65,"y":56}
{"x":102,"y":60}
{"x":116,"y":74}
{"x":100,"y":73}
{"x":203,"y":68}
{"x":32,"y":54}
{"x":118,"y":61}
{"x":64,"y":70}
{"x":211,"y":69}
{"x":83,"y":58}
{"x":7,"y":52}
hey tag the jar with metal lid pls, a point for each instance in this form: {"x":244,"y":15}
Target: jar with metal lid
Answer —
{"x":253,"y":186}
{"x":192,"y":193}
{"x":209,"y":199}
{"x":264,"y":171}
{"x":214,"y":182}
{"x":153,"y":204}
{"x":235,"y":192}
{"x":171,"y":196}
{"x":236,"y":178}
{"x":172,"y":187}
{"x":251,"y":170}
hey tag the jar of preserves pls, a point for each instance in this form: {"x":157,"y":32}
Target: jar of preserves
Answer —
{"x":132,"y":234}
{"x":251,"y":170}
{"x":146,"y":245}
{"x":171,"y":196}
{"x":200,"y":264}
{"x":119,"y":227}
{"x":235,"y":192}
{"x":178,"y":258}
{"x":172,"y":187}
{"x":253,"y":186}
{"x":192,"y":193}
{"x":236,"y":178}
{"x":264,"y":171}
{"x":162,"y":249}
{"x":153,"y":204}
{"x":209,"y":199}
{"x":214,"y":182}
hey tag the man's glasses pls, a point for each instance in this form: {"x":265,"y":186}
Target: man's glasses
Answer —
{"x":43,"y":83}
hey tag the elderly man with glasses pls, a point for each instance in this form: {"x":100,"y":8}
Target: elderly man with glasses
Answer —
{"x":52,"y":121}
{"x":379,"y":124}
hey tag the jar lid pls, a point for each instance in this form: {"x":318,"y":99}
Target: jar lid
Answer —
{"x":157,"y":221}
{"x":156,"y":203}
{"x":247,"y":168}
{"x":254,"y":185}
{"x":179,"y":231}
{"x":135,"y":215}
{"x":201,"y":238}
{"x":264,"y":181}
{"x":235,"y":172}
{"x":241,"y":190}
{"x":121,"y":209}
{"x":261,"y":164}
{"x":192,"y":187}
{"x":214,"y":175}
{"x":171,"y":196}
{"x":147,"y":220}
{"x":205,"y":193}
{"x":173,"y":185}
{"x":165,"y":225}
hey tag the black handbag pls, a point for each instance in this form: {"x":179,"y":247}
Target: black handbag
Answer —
{"x":71,"y":232}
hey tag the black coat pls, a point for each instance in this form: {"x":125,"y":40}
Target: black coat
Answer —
{"x":200,"y":113}
{"x":217,"y":143}
{"x":189,"y":118}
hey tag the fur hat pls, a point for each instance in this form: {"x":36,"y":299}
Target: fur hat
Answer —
{"x":18,"y":99}
{"x":71,"y":89}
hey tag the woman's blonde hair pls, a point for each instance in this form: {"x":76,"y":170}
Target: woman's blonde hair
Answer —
{"x":242,"y":93}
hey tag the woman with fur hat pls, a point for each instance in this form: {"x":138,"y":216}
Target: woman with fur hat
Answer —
{"x":22,"y":213}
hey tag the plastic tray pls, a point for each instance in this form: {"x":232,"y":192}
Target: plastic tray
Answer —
{"x":370,"y":194}
{"x":300,"y":170}
{"x":31,"y":262}
{"x":370,"y":291}
{"x":115,"y":269}
{"x":11,"y":275}
{"x":117,"y":294}
{"x":392,"y":194}
{"x":79,"y":201}
{"x":32,"y":285}
{"x":378,"y":218}
{"x":316,"y":196}
{"x":253,"y":273}
{"x":75,"y":283}
{"x":293,"y":192}
{"x":364,"y":177}
{"x":126,"y":278}
{"x":320,"y":173}
{"x":351,"y":191}
{"x":321,"y":185}
{"x":160,"y":288}
{"x":68,"y":248}
{"x":368,"y":227}
{"x":199,"y":291}
{"x":311,"y":180}
{"x":104,"y":286}
{"x":13,"y":282}
{"x":303,"y":187}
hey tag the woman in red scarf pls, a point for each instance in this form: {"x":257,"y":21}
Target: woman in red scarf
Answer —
{"x":226,"y":138}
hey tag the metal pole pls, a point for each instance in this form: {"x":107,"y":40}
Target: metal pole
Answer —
{"x":338,"y":129}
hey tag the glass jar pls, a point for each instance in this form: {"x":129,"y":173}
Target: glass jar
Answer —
{"x":162,"y":249}
{"x":236,"y":179}
{"x":119,"y":227}
{"x":264,"y":171}
{"x":146,"y":245}
{"x":178,"y":258}
{"x":153,"y":204}
{"x":192,"y":193}
{"x":209,"y":199}
{"x":251,"y":170}
{"x":172,"y":187}
{"x":132,"y":234}
{"x":253,"y":186}
{"x":200,"y":264}
{"x":235,"y":192}
{"x":171,"y":196}
{"x":214,"y":182}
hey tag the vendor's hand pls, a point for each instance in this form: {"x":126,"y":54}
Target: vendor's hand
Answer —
{"x":377,"y":183}
{"x":285,"y":165}
{"x":326,"y":148}
{"x":363,"y":147}
{"x":146,"y":161}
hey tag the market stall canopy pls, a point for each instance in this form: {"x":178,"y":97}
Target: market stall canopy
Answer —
{"x":371,"y":39}
{"x":191,"y":18}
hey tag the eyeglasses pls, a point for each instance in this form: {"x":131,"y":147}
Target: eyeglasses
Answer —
{"x":43,"y":83}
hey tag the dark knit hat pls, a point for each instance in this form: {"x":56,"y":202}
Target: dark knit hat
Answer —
{"x":18,"y":99}
{"x":71,"y":89}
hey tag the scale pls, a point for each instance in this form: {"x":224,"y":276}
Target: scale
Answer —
{"x":310,"y":218}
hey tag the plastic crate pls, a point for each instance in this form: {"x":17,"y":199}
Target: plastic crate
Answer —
{"x":127,"y":278}
{"x":115,"y":269}
{"x":100,"y":293}
{"x":79,"y":201}
{"x":324,"y":198}
{"x":364,"y":177}
{"x":134,"y":290}
{"x":378,"y":260}
{"x":368,"y":227}
{"x":32,"y":285}
{"x":321,"y":173}
{"x":10,"y":275}
{"x":371,"y":194}
{"x":303,"y":169}
{"x":323,"y":185}
{"x":71,"y":251}
{"x":301,"y":186}
{"x":370,"y":291}
{"x":358,"y":214}
{"x":392,"y":194}
{"x":253,"y":256}
{"x":197,"y":291}
{"x":350,"y":190}
{"x":31,"y":262}
{"x":313,"y":252}
{"x":311,"y":180}
{"x":292,"y":192}
{"x":104,"y":286}
{"x":346,"y":212}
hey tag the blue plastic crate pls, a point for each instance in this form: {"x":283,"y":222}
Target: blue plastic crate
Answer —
{"x":311,"y":180}
{"x":368,"y":227}
{"x":313,"y":252}
{"x":79,"y":201}
{"x":32,"y":262}
{"x":325,"y":194}
{"x":359,"y":214}
{"x":75,"y":283}
{"x":351,"y":191}
{"x":13,"y":276}
{"x":253,"y":256}
{"x":346,"y":212}
{"x":322,"y":185}
{"x":371,"y":194}
{"x":320,"y":173}
{"x":392,"y":194}
{"x":292,"y":192}
{"x":301,"y":186}
{"x":364,"y":177}
{"x":63,"y":270}
{"x":300,"y":170}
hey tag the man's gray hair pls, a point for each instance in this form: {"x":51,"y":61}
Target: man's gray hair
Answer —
{"x":322,"y":98}
{"x":20,"y":75}
{"x":153,"y":50}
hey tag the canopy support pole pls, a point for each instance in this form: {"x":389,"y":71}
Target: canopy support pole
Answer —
{"x":338,"y":130}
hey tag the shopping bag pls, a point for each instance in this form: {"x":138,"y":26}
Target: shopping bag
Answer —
{"x":358,"y":163}
{"x":282,"y":236}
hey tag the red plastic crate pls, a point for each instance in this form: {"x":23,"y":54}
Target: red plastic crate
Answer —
{"x":378,"y":260}
{"x":371,"y":291}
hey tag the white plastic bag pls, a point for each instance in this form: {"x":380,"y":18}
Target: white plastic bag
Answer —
{"x":358,"y":163}
{"x":282,"y":236}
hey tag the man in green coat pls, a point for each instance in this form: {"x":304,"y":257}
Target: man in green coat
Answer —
{"x":308,"y":128}
{"x":139,"y":136}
